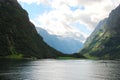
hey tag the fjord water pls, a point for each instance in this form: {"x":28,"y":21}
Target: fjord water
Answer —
{"x":59,"y":70}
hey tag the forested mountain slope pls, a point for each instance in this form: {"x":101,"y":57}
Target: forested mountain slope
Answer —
{"x":104,"y":42}
{"x":18,"y":36}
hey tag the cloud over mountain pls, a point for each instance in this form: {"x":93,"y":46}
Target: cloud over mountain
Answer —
{"x":72,"y":16}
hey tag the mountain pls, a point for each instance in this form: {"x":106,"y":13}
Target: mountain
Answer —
{"x":67,"y":45}
{"x":99,"y":28}
{"x":104,"y":42}
{"x":18,"y":36}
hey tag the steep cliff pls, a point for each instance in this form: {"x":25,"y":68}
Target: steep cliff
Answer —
{"x":104,"y":42}
{"x":18,"y":36}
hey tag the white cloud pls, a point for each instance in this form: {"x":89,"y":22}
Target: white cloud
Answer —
{"x":58,"y":21}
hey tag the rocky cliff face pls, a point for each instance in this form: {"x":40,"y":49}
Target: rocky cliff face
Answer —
{"x":104,"y":43}
{"x":18,"y":35}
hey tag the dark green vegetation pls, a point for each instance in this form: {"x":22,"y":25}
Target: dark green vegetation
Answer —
{"x":104,"y":42}
{"x":18,"y":36}
{"x":71,"y":56}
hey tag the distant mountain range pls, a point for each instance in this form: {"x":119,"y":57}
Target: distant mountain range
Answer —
{"x":66,"y":45}
{"x":104,"y":42}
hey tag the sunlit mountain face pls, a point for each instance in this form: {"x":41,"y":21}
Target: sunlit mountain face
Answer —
{"x":67,"y":23}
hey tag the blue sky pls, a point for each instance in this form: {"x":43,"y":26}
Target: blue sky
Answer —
{"x":34,"y":10}
{"x":68,"y":17}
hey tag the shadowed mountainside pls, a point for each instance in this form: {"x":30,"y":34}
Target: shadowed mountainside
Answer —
{"x":18,"y":36}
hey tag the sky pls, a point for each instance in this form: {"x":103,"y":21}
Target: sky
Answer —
{"x":68,"y":18}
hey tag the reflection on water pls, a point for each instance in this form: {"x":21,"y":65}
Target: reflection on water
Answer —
{"x":59,"y":70}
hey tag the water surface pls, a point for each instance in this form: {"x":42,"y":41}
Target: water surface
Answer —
{"x":59,"y":70}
